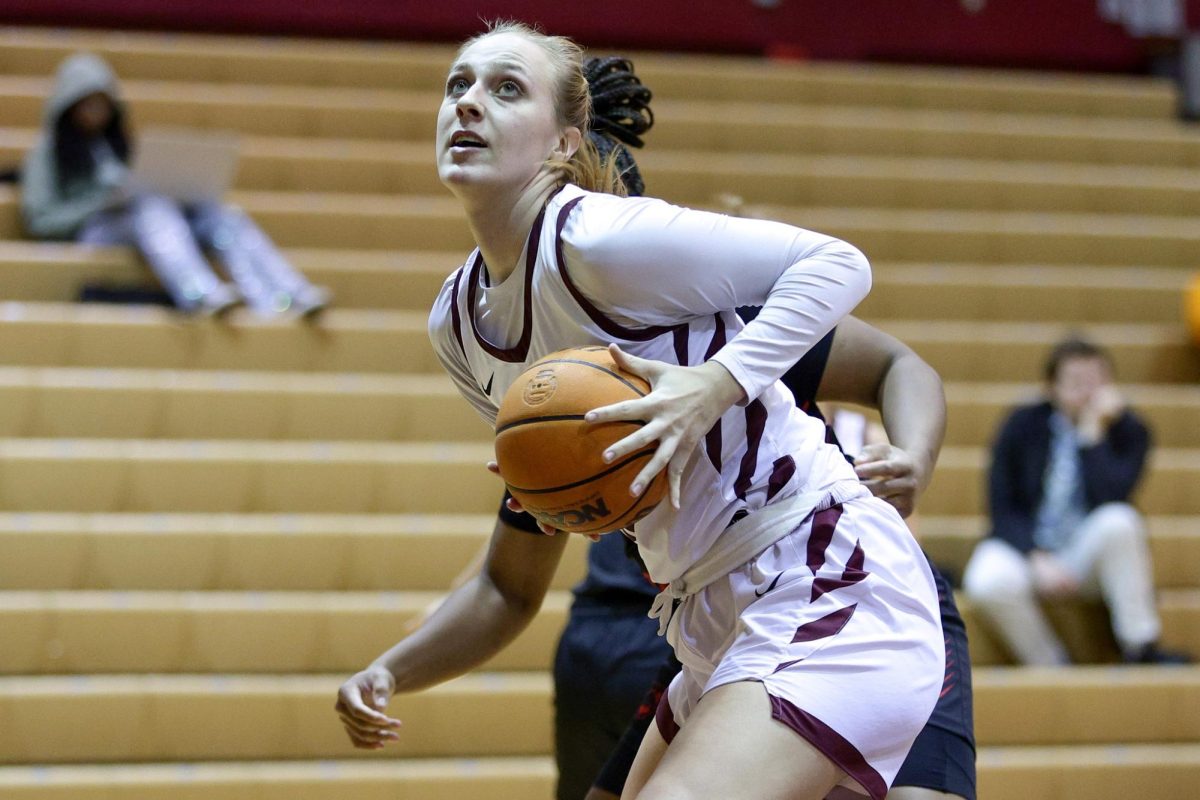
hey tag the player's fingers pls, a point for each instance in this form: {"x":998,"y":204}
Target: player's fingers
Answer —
{"x":641,"y":367}
{"x":882,"y":469}
{"x":493,"y":467}
{"x":675,"y":477}
{"x":873,"y":452}
{"x":514,"y":505}
{"x":634,"y":410}
{"x":368,"y":742}
{"x":642,"y":437}
{"x":350,"y":704}
{"x":366,"y":730}
{"x":657,"y":463}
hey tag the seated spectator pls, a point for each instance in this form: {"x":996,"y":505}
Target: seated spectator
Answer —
{"x":74,"y":186}
{"x":1061,"y":477}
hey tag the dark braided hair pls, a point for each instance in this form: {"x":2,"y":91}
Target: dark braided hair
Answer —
{"x":620,"y":115}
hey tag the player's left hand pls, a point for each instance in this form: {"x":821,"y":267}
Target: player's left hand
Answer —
{"x":682,"y":406}
{"x":891,"y":474}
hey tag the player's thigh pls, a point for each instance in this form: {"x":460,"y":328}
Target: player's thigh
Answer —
{"x":649,"y":754}
{"x":732,"y":747}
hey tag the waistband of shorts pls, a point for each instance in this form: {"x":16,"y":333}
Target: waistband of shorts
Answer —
{"x":745,"y":539}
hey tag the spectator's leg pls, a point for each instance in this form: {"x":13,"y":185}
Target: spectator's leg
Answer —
{"x":159,"y":230}
{"x":268,"y":282}
{"x":1111,"y":545}
{"x":999,"y":581}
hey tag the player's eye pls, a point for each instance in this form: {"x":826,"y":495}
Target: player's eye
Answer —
{"x":508,"y":89}
{"x":457,"y":86}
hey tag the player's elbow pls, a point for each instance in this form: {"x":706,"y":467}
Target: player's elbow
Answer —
{"x":518,"y":601}
{"x":858,"y":268}
{"x":849,"y":267}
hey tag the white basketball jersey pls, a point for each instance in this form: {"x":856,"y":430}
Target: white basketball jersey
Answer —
{"x":663,"y":282}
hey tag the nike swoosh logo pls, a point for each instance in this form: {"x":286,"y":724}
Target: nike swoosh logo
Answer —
{"x":488,"y":389}
{"x":757,"y":593}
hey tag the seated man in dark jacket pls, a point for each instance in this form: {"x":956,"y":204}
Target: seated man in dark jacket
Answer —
{"x":1061,"y":476}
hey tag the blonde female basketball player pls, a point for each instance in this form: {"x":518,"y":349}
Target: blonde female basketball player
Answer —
{"x":803,"y":612}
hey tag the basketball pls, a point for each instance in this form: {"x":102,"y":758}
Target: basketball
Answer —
{"x":552,"y":460}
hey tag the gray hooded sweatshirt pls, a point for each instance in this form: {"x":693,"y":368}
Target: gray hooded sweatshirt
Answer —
{"x":50,"y":211}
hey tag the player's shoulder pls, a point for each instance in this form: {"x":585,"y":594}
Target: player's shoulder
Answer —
{"x":587,"y":221}
{"x":441,"y":313}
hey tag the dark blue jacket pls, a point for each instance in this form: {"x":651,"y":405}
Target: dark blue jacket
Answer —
{"x":1111,"y":469}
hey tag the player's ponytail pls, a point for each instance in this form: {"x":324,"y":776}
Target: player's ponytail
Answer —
{"x":620,"y":115}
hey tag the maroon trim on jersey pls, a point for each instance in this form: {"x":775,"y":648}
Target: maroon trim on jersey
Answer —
{"x":836,"y":747}
{"x":607,"y":325}
{"x":756,"y":423}
{"x":785,"y":665}
{"x":829,"y":625}
{"x":455,"y":317}
{"x":517,"y":353}
{"x":824,"y":523}
{"x":682,"y":334}
{"x":664,"y":717}
{"x":712,"y":439}
{"x":852,"y":574}
{"x":782,"y":471}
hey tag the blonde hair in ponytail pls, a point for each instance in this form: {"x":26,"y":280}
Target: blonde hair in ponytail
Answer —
{"x":573,"y":105}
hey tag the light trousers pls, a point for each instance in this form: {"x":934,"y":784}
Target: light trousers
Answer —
{"x":172,"y":239}
{"x":1109,"y":556}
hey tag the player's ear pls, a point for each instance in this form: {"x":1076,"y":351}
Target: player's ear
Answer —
{"x":568,"y":143}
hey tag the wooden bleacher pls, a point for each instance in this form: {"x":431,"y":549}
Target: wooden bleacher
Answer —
{"x":205,"y":527}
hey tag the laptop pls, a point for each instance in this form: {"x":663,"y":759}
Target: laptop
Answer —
{"x":191,"y":166}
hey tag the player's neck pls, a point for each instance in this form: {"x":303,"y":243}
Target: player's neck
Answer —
{"x":501,"y":224}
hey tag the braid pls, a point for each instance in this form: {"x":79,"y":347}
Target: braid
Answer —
{"x":620,"y":103}
{"x":620,"y":115}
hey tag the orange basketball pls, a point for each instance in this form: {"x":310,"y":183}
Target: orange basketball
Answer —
{"x":552,"y":461}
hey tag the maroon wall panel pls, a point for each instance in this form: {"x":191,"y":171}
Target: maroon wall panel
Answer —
{"x":1031,"y":33}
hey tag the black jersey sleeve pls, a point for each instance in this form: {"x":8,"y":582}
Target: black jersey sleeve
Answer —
{"x":522,"y":522}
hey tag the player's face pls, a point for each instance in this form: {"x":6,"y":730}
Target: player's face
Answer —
{"x":497,"y":125}
{"x":1076,"y":383}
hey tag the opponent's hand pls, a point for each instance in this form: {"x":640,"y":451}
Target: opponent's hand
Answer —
{"x":893,"y":475}
{"x":360,"y":705}
{"x":515,"y":506}
{"x":682,"y":406}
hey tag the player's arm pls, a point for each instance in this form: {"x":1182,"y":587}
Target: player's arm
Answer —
{"x":477,"y":621}
{"x":663,"y":264}
{"x":868,"y":367}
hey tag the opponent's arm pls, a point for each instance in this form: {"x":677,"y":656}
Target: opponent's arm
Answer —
{"x":477,"y":621}
{"x":871,"y":368}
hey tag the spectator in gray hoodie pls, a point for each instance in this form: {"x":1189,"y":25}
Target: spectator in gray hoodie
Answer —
{"x":75,"y":187}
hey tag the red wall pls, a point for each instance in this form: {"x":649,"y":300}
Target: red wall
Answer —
{"x":1034,"y":33}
